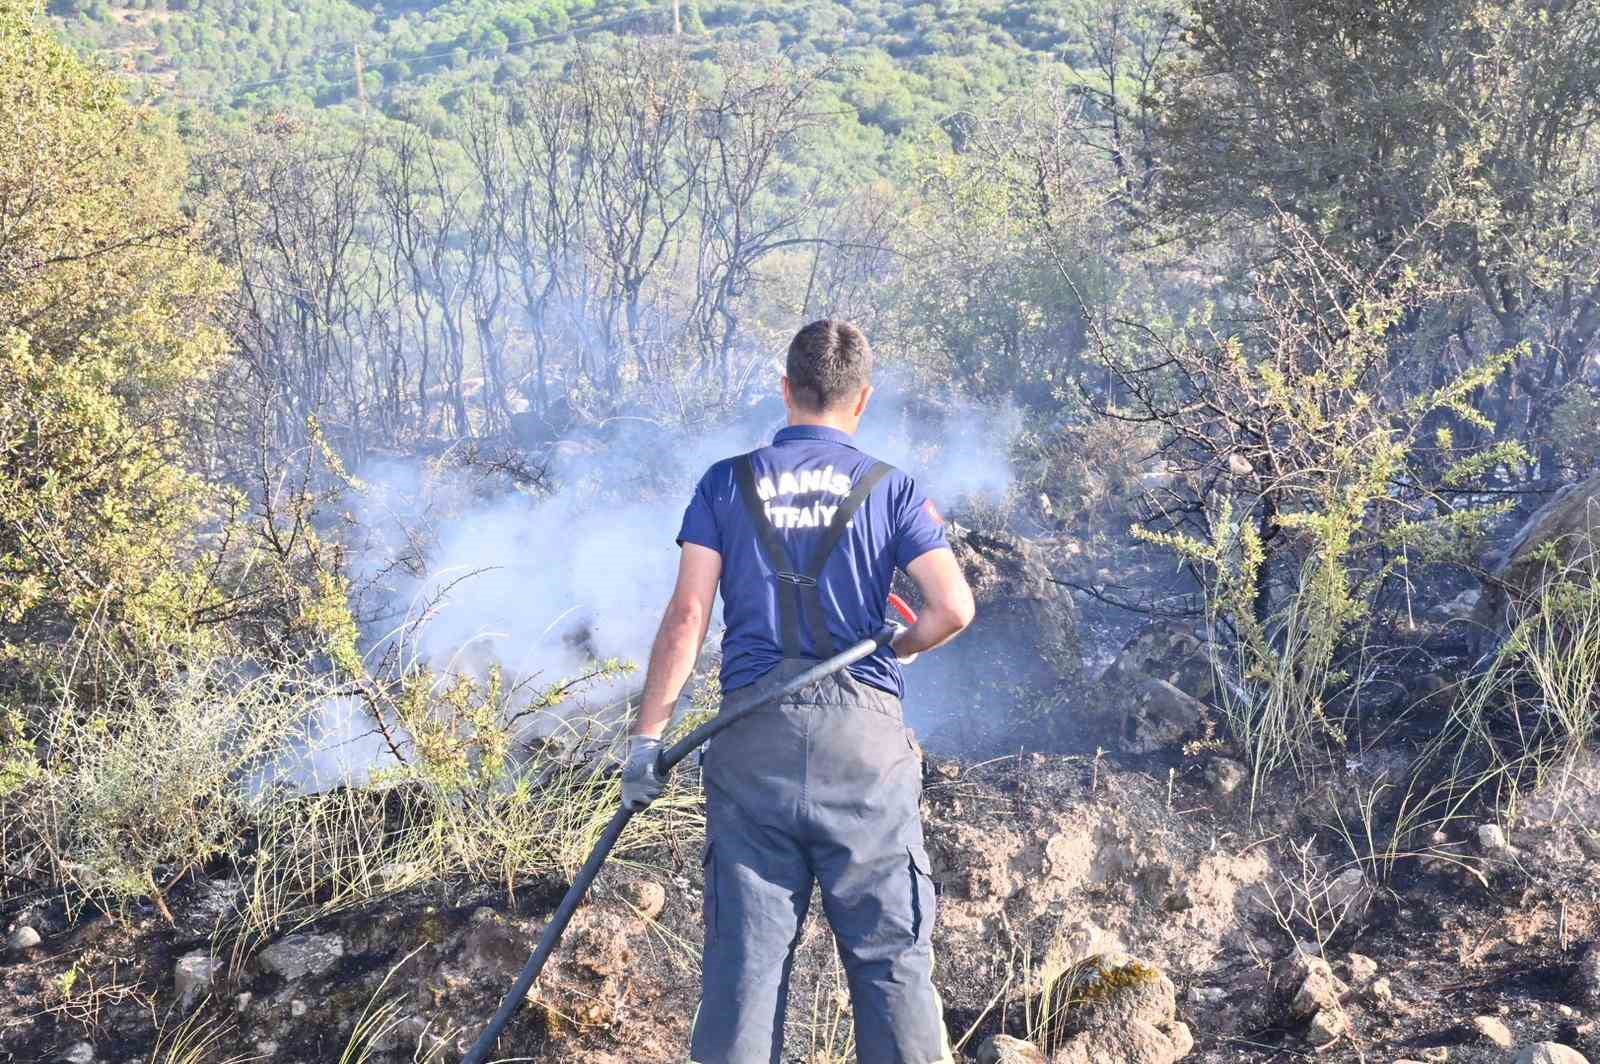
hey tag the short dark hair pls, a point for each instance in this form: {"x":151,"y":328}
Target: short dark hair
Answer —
{"x":829,"y":362}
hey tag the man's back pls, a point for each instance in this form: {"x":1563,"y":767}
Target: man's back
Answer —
{"x":800,"y":483}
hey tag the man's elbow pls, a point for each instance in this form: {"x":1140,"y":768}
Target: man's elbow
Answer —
{"x":963,"y":612}
{"x":957,"y":613}
{"x":684,"y":614}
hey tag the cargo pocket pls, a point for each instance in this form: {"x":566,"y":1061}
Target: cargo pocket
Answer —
{"x":708,"y":893}
{"x":922,"y":891}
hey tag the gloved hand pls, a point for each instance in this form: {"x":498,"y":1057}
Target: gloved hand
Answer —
{"x":641,"y":783}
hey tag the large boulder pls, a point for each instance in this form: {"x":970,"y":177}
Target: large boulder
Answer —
{"x":1027,"y":623}
{"x":1558,"y":539}
{"x":1168,"y":650}
{"x":1155,"y":693}
{"x":1122,"y":1009}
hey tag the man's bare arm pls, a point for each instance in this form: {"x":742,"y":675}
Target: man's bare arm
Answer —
{"x":678,"y":640}
{"x":947,"y":605}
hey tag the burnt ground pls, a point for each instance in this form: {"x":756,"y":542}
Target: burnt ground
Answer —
{"x":1035,"y":855}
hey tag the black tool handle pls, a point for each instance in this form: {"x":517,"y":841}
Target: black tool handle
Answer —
{"x":668,"y":758}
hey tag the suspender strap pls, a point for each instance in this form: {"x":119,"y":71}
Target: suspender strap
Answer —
{"x":816,"y":616}
{"x":777,"y":556}
{"x":800,"y":591}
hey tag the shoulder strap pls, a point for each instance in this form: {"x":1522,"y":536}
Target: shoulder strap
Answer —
{"x":799,"y":591}
{"x":777,"y":556}
{"x":816,"y":616}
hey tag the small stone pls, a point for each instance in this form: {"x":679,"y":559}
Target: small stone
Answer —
{"x":1493,"y":1031}
{"x":1347,"y":890}
{"x":1361,"y":968}
{"x":1182,"y":1039}
{"x":1436,"y":1055}
{"x":23,"y":938}
{"x":1492,"y":840}
{"x":647,"y":896}
{"x":1382,"y":992}
{"x":267,"y":1047}
{"x":242,"y":1002}
{"x":296,"y":956}
{"x":78,"y":1053}
{"x":1550,"y":1053}
{"x":1003,"y":1049}
{"x":398,"y":875}
{"x":1205,"y":995}
{"x":1327,"y":1026}
{"x":194,"y":975}
{"x":297,"y":1008}
{"x":1224,"y":775}
{"x":1321,"y":992}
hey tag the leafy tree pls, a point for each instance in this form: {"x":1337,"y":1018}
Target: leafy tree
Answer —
{"x":104,"y":341}
{"x":1465,"y":125}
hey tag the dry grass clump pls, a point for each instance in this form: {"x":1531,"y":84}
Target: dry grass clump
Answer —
{"x":120,"y":797}
{"x":117,"y":799}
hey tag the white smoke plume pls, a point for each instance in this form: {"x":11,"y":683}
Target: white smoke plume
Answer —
{"x":544,"y":587}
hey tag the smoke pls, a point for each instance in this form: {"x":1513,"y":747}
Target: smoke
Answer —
{"x":544,"y":587}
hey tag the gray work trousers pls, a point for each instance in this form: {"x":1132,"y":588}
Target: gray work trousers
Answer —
{"x":822,"y":788}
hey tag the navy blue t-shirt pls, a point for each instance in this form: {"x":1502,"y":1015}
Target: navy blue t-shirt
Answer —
{"x":802,"y":478}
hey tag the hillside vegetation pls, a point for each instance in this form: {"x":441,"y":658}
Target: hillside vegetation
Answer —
{"x":343,"y":417}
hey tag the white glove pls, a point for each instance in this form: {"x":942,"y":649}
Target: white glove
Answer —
{"x":642,"y":782}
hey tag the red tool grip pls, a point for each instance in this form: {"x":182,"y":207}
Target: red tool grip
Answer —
{"x":902,"y":608}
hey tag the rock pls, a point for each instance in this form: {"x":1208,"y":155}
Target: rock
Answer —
{"x":1157,"y":715}
{"x":1492,"y":841}
{"x":601,"y":943}
{"x":1170,"y":651}
{"x":1225,"y":775}
{"x":647,"y":896}
{"x":23,"y":938}
{"x":1348,"y":891}
{"x":1558,"y":540}
{"x":1137,"y":1042}
{"x":297,"y":1008}
{"x":491,"y":946}
{"x":398,"y":875}
{"x":1588,"y":974}
{"x":1156,"y":688}
{"x":1113,"y":989}
{"x":296,"y":956}
{"x":1308,"y":981}
{"x":1030,"y":620}
{"x":1182,"y":1039}
{"x":1462,"y":607}
{"x":1327,"y":1026}
{"x":1003,"y":1049}
{"x":1321,"y":991}
{"x":78,"y":1053}
{"x":1493,"y":1031}
{"x":1550,"y":1053}
{"x":1360,"y":968}
{"x":1382,"y":993}
{"x":194,"y":975}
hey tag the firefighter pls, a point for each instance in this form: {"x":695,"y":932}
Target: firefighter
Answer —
{"x":821,"y":789}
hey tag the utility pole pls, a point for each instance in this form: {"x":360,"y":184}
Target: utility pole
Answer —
{"x":361,"y":80}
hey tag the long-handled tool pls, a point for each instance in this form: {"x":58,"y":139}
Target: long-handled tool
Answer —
{"x":665,"y":763}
